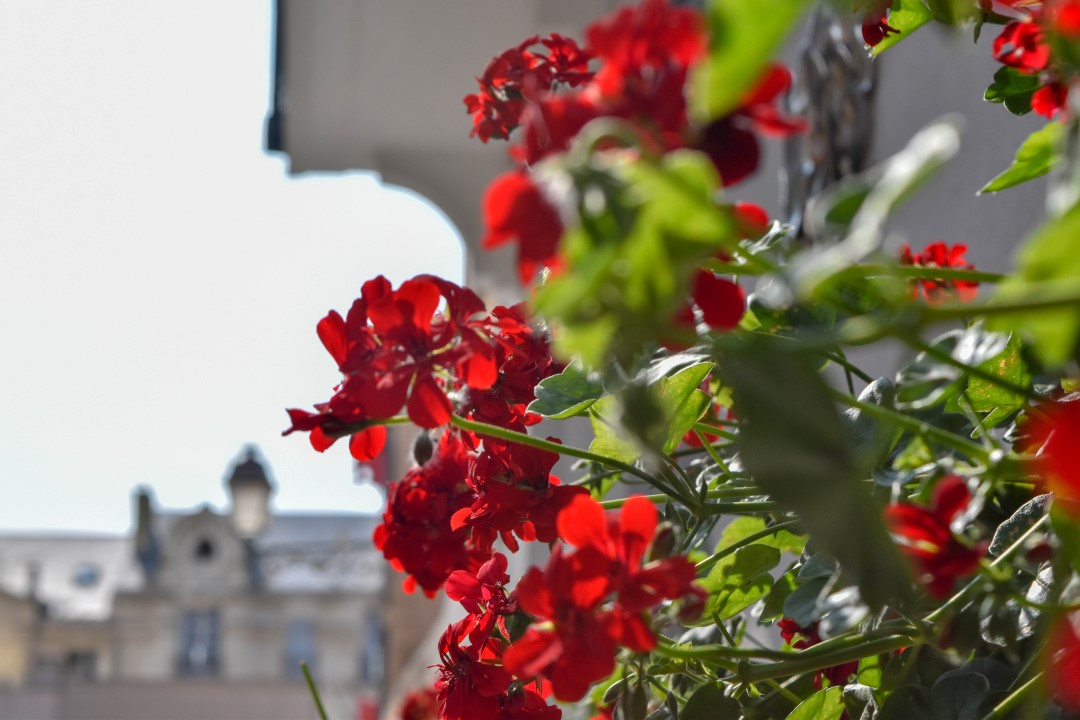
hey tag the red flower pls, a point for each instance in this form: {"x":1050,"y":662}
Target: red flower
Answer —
{"x":875,"y":25}
{"x":420,"y":705}
{"x":1050,"y":99}
{"x":516,"y":494}
{"x":1063,"y":662}
{"x":808,"y":637}
{"x":497,"y":108}
{"x":578,"y":647}
{"x":483,"y":595}
{"x":730,"y":142}
{"x":623,"y":541}
{"x":1057,"y":430}
{"x":470,"y":685}
{"x":515,"y":209}
{"x":940,"y":255}
{"x":722,"y":302}
{"x":926,"y":538}
{"x":1063,"y":18}
{"x":640,"y":42}
{"x":1022,"y":45}
{"x":416,"y":536}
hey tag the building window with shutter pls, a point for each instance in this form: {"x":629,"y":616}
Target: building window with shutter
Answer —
{"x":199,"y":634}
{"x":299,"y":647}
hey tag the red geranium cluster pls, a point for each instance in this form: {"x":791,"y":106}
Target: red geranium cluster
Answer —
{"x":1024,"y":44}
{"x":926,"y":536}
{"x":645,"y":54}
{"x":1056,"y":435}
{"x":939,"y":255}
{"x":589,"y":603}
{"x":593,"y":601}
{"x":396,"y":348}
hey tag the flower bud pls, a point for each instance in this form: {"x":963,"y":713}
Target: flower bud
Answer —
{"x":422,"y":448}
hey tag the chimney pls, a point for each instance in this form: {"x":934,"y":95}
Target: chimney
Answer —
{"x":147,"y":547}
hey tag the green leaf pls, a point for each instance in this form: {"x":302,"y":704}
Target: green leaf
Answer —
{"x":907,"y":16}
{"x":871,"y":437}
{"x":804,"y":602}
{"x":1047,"y":261}
{"x":746,"y":525}
{"x":739,"y":580}
{"x":708,"y":703}
{"x":1019,"y":523}
{"x":1038,"y":154}
{"x":825,"y":704}
{"x":774,"y":603}
{"x":1009,"y":366}
{"x":628,"y":267}
{"x":682,"y":403}
{"x":797,"y":449}
{"x":869,"y":672}
{"x":610,"y":441}
{"x":743,"y":37}
{"x":1013,"y":89}
{"x":567,"y":394}
{"x":654,"y":417}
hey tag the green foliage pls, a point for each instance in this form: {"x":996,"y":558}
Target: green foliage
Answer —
{"x":655,"y":416}
{"x":1013,"y":89}
{"x":569,"y":393}
{"x":739,"y":580}
{"x":1048,"y":262}
{"x":798,"y":451}
{"x":709,"y":702}
{"x":626,"y":278}
{"x":1037,"y":156}
{"x":907,"y":16}
{"x":745,"y":526}
{"x":985,"y":396}
{"x":743,"y":37}
{"x":825,"y":704}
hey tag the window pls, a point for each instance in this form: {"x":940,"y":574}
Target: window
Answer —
{"x":300,"y":645}
{"x":204,"y":550}
{"x":80,"y":665}
{"x":372,"y":652}
{"x":199,"y":644}
{"x":86,"y":575}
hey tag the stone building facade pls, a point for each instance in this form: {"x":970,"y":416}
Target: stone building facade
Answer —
{"x":195,"y":614}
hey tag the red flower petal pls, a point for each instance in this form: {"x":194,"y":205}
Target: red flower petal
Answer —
{"x":331,"y":330}
{"x":582,"y":523}
{"x":428,"y":405}
{"x":722,"y":302}
{"x":320,"y":440}
{"x":368,"y":443}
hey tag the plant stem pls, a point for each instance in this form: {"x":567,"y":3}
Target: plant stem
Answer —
{"x":847,"y":365}
{"x":748,"y":540}
{"x":314,"y":691}
{"x":939,"y":354}
{"x":968,"y":447}
{"x":1013,"y":699}
{"x":501,"y":433}
{"x":713,"y":430}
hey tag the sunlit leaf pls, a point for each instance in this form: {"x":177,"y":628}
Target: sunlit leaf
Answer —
{"x":1037,"y":156}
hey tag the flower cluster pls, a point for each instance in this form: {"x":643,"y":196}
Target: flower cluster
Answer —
{"x":926,"y":536}
{"x":575,"y":644}
{"x":1026,"y":45}
{"x":645,"y":54}
{"x":939,"y":255}
{"x":396,"y":348}
{"x":800,"y":638}
{"x":586,"y":604}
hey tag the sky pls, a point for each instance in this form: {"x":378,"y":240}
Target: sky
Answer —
{"x":160,"y":275}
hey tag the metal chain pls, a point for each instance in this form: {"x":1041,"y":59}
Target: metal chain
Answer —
{"x":834,"y":91}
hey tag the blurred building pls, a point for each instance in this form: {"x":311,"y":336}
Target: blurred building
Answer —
{"x":202,"y":614}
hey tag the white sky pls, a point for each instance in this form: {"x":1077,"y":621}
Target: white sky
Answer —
{"x":161,"y":277}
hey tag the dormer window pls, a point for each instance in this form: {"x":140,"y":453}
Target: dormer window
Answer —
{"x":86,"y":575}
{"x":204,"y":550}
